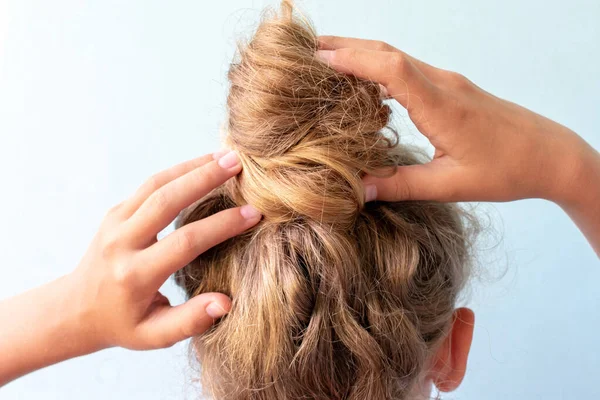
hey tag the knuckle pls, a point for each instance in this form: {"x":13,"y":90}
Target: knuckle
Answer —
{"x":123,"y":275}
{"x":159,"y":199}
{"x":204,"y":173}
{"x":402,"y":190}
{"x":185,"y":240}
{"x":190,"y":329}
{"x":382,"y":46}
{"x":114,"y":210}
{"x":397,"y":63}
{"x":210,"y":176}
{"x":153,"y":183}
{"x":196,"y":326}
{"x":111,"y":246}
{"x":340,"y":55}
{"x":457,"y":80}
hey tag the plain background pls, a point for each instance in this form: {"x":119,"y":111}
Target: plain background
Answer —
{"x":96,"y":96}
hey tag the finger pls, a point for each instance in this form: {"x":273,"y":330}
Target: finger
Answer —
{"x":401,"y":78}
{"x":338,"y":42}
{"x":159,"y":180}
{"x":162,"y":206}
{"x":414,"y":182}
{"x":182,"y":246}
{"x":167,"y":325}
{"x":330,"y":42}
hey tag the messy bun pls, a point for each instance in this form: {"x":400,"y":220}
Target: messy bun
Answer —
{"x":332,"y":298}
{"x":305,"y":133}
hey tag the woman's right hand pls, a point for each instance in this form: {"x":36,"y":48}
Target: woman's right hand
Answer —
{"x":112,"y":298}
{"x":486,"y":148}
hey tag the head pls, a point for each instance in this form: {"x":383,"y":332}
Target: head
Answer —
{"x":332,"y":297}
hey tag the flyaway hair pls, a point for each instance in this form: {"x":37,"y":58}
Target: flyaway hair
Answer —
{"x":333,"y":298}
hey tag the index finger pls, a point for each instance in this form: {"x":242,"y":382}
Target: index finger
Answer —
{"x":339,"y":42}
{"x":162,"y":206}
{"x":159,"y":180}
{"x":394,"y":70}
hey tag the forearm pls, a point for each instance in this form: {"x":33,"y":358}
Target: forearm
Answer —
{"x":39,"y":328}
{"x":580,"y":196}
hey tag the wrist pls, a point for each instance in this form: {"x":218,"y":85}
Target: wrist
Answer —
{"x":74,"y":317}
{"x":41,"y":327}
{"x":576,"y":173}
{"x":580,"y":198}
{"x":580,"y":189}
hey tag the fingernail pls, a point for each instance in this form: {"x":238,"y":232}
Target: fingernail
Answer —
{"x":249,"y":212}
{"x":229,"y":160}
{"x":220,"y":153}
{"x":325,"y":55}
{"x":215,"y":310}
{"x":370,"y":193}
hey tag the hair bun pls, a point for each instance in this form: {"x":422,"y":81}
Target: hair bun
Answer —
{"x":305,"y":133}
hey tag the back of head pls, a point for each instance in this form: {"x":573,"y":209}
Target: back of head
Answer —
{"x":333,"y":298}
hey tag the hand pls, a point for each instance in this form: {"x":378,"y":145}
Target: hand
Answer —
{"x":119,"y":277}
{"x":486,"y":148}
{"x":112,"y":297}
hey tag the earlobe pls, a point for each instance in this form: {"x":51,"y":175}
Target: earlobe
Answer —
{"x":451,"y":360}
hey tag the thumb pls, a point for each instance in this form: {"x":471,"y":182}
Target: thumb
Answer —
{"x":410,"y":182}
{"x":170,"y":325}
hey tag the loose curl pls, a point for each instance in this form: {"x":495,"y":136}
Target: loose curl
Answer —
{"x":333,"y":298}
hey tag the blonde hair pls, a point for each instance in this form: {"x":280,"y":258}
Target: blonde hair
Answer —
{"x":333,"y":298}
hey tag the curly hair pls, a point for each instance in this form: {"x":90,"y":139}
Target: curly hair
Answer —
{"x":333,"y":298}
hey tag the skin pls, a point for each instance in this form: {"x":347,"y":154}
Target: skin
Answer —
{"x":487,"y":149}
{"x":112,"y":298}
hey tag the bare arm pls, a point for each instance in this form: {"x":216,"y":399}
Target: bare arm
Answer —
{"x":581,"y":199}
{"x":41,"y":327}
{"x":486,"y":148}
{"x":112,"y":298}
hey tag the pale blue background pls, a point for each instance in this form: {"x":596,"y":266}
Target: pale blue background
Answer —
{"x":96,"y":96}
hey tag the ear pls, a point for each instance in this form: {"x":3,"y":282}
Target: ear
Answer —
{"x":450,"y":362}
